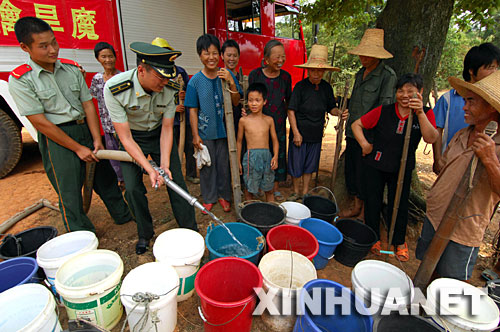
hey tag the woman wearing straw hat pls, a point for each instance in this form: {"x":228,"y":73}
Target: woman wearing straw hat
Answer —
{"x":374,"y":86}
{"x":482,"y":105}
{"x":311,"y":99}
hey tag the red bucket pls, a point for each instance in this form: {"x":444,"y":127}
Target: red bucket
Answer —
{"x":294,"y":238}
{"x":225,"y":287}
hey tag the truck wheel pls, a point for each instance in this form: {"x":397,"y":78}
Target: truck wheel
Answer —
{"x":11,"y":144}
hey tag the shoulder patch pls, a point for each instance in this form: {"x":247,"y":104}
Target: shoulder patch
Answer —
{"x":21,"y":70}
{"x":120,"y":87}
{"x":69,"y":62}
{"x":174,"y":85}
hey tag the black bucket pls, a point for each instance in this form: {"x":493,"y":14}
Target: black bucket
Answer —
{"x":321,"y":208}
{"x":494,"y":291}
{"x":262,"y":215}
{"x":358,"y":240}
{"x":26,"y":243}
{"x":396,"y":323}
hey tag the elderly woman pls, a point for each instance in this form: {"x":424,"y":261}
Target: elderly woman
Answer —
{"x":311,"y":99}
{"x":279,"y":90}
{"x":386,"y":124}
{"x":106,"y":55}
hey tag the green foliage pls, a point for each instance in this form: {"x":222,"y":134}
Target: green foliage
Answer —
{"x":344,"y":21}
{"x":475,"y":13}
{"x":345,"y":32}
{"x":458,"y":43}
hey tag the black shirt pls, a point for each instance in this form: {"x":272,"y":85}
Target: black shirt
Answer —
{"x":310,"y":102}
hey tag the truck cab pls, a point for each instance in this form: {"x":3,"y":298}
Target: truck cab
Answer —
{"x":251,"y":23}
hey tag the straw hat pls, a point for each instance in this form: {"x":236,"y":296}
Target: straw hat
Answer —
{"x":372,"y":44}
{"x":488,"y":88}
{"x":318,"y":58}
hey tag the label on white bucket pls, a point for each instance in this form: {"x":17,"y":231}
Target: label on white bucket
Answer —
{"x":186,"y":285}
{"x":102,"y":312}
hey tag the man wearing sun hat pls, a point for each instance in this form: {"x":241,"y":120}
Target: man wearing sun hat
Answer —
{"x":142,"y":107}
{"x":482,"y":105}
{"x":311,"y":99}
{"x":374,"y":86}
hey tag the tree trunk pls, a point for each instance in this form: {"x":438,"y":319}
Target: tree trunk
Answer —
{"x":410,"y":23}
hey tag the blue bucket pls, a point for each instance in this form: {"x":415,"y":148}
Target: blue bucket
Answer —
{"x":328,"y":236}
{"x":354,"y":321}
{"x":217,"y":237}
{"x":17,"y":271}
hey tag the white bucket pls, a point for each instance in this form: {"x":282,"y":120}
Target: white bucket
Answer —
{"x":52,"y":254}
{"x":183,"y":249}
{"x":157,"y":278}
{"x":457,"y":317}
{"x":28,"y":308}
{"x":295,"y":212}
{"x":276,"y":268}
{"x":372,"y":280}
{"x":89,"y":284}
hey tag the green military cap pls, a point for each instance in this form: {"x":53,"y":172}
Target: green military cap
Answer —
{"x":160,"y":58}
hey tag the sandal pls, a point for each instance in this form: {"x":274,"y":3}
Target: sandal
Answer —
{"x":402,"y":254}
{"x":278,"y":196}
{"x":293,"y":197}
{"x":376,"y":248}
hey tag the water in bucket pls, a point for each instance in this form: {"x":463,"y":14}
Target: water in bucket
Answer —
{"x":28,"y":307}
{"x":218,"y":221}
{"x":235,"y":250}
{"x":218,"y":238}
{"x":89,"y":284}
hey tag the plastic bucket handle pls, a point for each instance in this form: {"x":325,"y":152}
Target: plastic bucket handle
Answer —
{"x":321,"y":187}
{"x":200,"y":311}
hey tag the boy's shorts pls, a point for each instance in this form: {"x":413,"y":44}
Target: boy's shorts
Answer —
{"x":303,"y":159}
{"x":457,"y":260}
{"x":257,"y":172}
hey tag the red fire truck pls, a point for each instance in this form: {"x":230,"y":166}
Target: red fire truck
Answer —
{"x":79,"y":24}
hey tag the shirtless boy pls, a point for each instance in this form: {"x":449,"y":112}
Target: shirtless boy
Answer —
{"x":258,"y":164}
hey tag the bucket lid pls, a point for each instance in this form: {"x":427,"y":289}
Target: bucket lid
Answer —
{"x":460,"y":313}
{"x":50,"y":255}
{"x":92,"y":272}
{"x":157,"y":278}
{"x":179,"y":246}
{"x":376,"y":278}
{"x":24,"y":306}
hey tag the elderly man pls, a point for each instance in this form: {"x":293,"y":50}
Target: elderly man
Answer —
{"x":374,"y":86}
{"x":479,"y":62}
{"x":482,"y":105}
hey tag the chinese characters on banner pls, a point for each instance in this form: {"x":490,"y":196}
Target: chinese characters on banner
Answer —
{"x":76,"y":24}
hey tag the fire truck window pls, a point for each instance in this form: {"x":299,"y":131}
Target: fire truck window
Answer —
{"x":243,"y":16}
{"x":286,"y":22}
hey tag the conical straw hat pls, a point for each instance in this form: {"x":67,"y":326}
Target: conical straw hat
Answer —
{"x":488,"y":88}
{"x":318,"y":58}
{"x":372,"y":44}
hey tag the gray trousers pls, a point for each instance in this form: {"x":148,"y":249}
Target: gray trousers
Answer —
{"x":215,"y":180}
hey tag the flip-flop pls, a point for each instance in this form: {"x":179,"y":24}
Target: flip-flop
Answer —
{"x":293,"y":197}
{"x":278,"y":196}
{"x":402,"y":254}
{"x":376,"y":248}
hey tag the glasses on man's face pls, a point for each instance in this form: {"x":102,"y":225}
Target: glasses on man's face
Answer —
{"x":159,"y":77}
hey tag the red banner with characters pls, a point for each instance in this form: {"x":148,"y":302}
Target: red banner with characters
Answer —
{"x":77,"y":24}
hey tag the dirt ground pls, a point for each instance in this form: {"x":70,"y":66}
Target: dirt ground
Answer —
{"x":28,"y":183}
